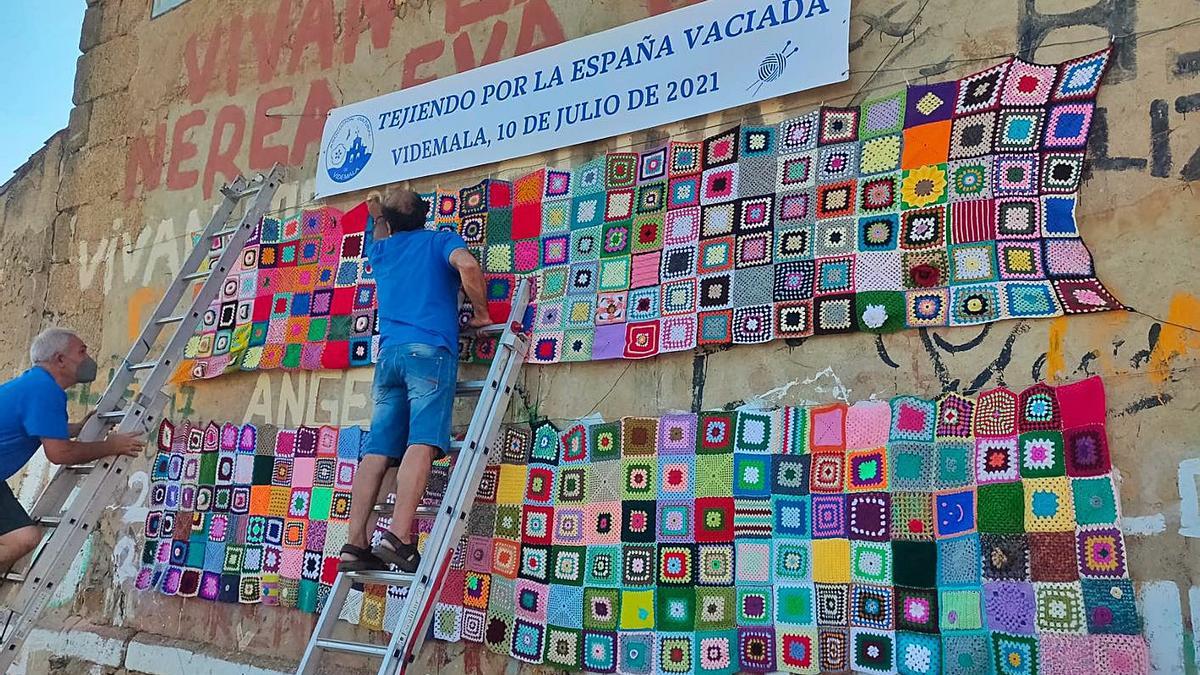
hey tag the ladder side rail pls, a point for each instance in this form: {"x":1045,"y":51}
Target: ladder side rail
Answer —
{"x":460,"y":493}
{"x":329,"y":613}
{"x":115,"y":391}
{"x":97,"y":490}
{"x":453,"y":523}
{"x":163,"y":371}
{"x":143,"y":410}
{"x":326,"y":621}
{"x":95,"y":427}
{"x":58,"y":489}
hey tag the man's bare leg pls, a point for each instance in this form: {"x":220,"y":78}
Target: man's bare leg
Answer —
{"x":16,"y":544}
{"x":410,"y":487}
{"x":367,"y":480}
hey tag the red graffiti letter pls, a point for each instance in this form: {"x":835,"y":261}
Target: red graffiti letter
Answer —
{"x":538,"y":16}
{"x":417,"y":57}
{"x":463,"y":13}
{"x":144,"y":163}
{"x":464,"y":52}
{"x":263,"y":156}
{"x":359,"y":15}
{"x":316,"y":27}
{"x":200,"y":70}
{"x":233,"y":55}
{"x":222,"y":160}
{"x":312,"y":122}
{"x":182,"y":150}
{"x":269,"y":42}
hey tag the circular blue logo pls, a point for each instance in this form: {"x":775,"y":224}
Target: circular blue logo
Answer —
{"x":349,"y":149}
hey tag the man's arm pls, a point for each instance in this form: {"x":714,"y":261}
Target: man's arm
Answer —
{"x":472,"y":282}
{"x":60,"y":451}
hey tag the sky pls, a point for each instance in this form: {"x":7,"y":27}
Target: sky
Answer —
{"x":37,"y":74}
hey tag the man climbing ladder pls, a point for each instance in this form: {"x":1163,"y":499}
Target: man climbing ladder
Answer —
{"x":418,"y":273}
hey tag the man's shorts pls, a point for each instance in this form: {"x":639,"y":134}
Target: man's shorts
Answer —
{"x":12,"y":514}
{"x":414,"y":398}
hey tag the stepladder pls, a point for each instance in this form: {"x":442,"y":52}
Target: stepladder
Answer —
{"x":422,"y":588}
{"x":70,"y":506}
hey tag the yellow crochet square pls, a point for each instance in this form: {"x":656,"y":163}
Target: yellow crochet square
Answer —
{"x":880,"y":154}
{"x":498,"y":258}
{"x":1048,"y":505}
{"x":511,"y":488}
{"x":637,"y":610}
{"x":579,"y":310}
{"x":831,"y":561}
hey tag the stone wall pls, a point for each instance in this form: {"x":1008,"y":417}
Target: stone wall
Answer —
{"x":170,"y":108}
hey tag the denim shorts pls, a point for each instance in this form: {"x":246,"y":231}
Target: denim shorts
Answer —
{"x":414,"y":398}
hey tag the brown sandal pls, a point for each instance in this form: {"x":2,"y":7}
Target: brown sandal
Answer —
{"x":403,"y":556}
{"x":365,"y":560}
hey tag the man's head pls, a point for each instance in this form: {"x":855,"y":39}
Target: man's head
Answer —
{"x":403,"y":210}
{"x":64,"y":355}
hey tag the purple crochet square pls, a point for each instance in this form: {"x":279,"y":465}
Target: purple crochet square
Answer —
{"x":1010,"y":606}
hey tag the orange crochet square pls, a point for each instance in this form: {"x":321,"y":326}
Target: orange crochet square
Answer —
{"x":260,"y":500}
{"x":926,"y":144}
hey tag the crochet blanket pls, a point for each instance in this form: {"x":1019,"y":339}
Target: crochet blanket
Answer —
{"x":913,"y":536}
{"x":940,"y":204}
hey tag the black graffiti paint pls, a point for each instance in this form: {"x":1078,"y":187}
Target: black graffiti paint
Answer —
{"x":1039,"y":366}
{"x":699,"y":372}
{"x":1184,"y":105}
{"x":1146,"y":403}
{"x":966,"y":346}
{"x":881,"y":350}
{"x":1114,"y":17}
{"x":1142,"y":357}
{"x":1186,"y":64}
{"x":1097,"y":151}
{"x":1160,"y":139}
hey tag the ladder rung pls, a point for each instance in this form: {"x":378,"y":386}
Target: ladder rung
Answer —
{"x":81,"y":468}
{"x":145,"y":365}
{"x":49,"y":521}
{"x":114,"y":415}
{"x":353,"y":647}
{"x":171,"y":319}
{"x":222,"y":233}
{"x":422,"y":509}
{"x":196,"y":275}
{"x":388,"y":578}
{"x":470,"y":387}
{"x":15,"y":577}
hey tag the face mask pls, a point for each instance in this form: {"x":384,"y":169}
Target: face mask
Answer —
{"x":86,"y":370}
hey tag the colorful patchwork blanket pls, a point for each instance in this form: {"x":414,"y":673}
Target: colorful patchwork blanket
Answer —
{"x":962,"y":535}
{"x":915,"y":536}
{"x":940,"y":204}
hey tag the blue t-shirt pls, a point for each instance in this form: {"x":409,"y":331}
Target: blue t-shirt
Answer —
{"x":32,"y":407}
{"x":417,"y":288}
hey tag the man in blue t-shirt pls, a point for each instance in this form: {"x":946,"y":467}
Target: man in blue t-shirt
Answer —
{"x":417,"y":275}
{"x":33,"y":412}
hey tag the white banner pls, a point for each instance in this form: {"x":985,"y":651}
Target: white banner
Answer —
{"x":711,"y":56}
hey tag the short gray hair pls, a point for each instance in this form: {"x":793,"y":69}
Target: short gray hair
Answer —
{"x":50,"y":343}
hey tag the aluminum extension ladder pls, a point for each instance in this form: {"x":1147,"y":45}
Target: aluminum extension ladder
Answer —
{"x":76,"y":496}
{"x":425,"y":584}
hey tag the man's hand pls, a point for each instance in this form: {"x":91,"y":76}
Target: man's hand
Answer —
{"x":127,"y":445}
